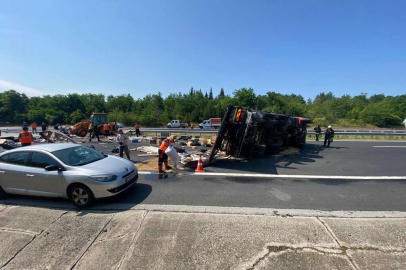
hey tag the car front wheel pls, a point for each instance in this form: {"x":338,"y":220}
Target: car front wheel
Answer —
{"x":81,"y":196}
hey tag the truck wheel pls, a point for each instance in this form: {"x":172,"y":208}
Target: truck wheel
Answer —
{"x":82,"y":133}
{"x":259,"y":150}
{"x":168,"y":126}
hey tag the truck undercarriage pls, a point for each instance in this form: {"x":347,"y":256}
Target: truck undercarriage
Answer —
{"x":250,"y":133}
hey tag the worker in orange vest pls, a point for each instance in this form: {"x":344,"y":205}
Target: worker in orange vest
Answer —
{"x":162,"y":157}
{"x":137,"y":129}
{"x":26,"y":137}
{"x":106,"y":130}
{"x":34,"y":127}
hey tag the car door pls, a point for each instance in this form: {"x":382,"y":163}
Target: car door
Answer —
{"x":42,"y":182}
{"x":12,"y":171}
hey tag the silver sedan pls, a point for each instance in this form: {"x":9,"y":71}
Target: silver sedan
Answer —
{"x":71,"y":171}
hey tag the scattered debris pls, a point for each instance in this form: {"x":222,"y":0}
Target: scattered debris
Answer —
{"x":290,"y":151}
{"x":147,"y":149}
{"x":148,"y":155}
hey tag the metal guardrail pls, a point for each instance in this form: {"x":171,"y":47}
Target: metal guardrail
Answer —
{"x":215,"y":131}
{"x":336,"y":132}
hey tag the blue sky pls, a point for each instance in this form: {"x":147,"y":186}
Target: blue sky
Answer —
{"x":140,"y":47}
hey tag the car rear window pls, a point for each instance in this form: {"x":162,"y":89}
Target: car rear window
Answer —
{"x":4,"y":158}
{"x":18,"y":158}
{"x":41,"y":160}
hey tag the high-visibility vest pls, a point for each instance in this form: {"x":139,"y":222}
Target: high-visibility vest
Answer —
{"x":165,"y":144}
{"x":137,"y":127}
{"x":33,"y":125}
{"x":106,"y":127}
{"x":26,"y":137}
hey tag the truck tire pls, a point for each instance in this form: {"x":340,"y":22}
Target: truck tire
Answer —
{"x":258,"y":150}
{"x":82,"y":133}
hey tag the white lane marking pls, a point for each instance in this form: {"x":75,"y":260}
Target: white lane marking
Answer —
{"x":251,"y":211}
{"x":263,"y":175}
{"x":400,"y":146}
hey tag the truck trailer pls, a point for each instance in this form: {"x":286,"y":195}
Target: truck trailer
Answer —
{"x":252,"y":133}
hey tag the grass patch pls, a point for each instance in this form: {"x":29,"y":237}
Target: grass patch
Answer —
{"x":363,"y":137}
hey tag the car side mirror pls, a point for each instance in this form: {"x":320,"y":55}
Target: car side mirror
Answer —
{"x":52,"y":168}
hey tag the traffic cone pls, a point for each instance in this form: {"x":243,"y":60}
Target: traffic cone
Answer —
{"x":199,"y":165}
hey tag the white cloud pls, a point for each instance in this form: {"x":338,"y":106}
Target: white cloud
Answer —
{"x":5,"y":86}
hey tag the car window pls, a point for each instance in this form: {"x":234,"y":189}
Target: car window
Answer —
{"x":18,"y":158}
{"x":4,"y":158}
{"x":40,"y":160}
{"x":78,"y":156}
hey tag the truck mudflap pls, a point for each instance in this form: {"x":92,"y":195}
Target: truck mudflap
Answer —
{"x":248,"y":133}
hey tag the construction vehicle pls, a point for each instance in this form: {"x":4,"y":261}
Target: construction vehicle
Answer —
{"x":252,"y":133}
{"x":82,"y":128}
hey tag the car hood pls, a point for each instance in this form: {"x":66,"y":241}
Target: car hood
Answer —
{"x":109,"y":165}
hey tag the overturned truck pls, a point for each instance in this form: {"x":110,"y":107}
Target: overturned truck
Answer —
{"x":250,"y":133}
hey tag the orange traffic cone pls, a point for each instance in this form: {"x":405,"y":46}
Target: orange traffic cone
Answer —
{"x":199,"y":165}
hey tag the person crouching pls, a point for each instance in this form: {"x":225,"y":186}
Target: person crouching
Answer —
{"x":162,"y":157}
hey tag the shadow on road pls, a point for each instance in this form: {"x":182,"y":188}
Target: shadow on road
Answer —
{"x":126,"y":200}
{"x":270,"y":163}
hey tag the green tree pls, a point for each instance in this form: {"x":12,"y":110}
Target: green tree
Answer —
{"x":211,"y":93}
{"x":245,"y":97}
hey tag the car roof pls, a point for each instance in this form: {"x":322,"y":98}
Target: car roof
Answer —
{"x":50,"y":147}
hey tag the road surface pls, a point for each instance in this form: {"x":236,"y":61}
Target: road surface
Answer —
{"x":328,"y":179}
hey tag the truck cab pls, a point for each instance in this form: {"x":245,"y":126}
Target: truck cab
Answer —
{"x":176,"y":124}
{"x":205,"y":124}
{"x":211,"y":123}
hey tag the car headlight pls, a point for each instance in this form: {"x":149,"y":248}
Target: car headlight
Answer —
{"x":103,"y":177}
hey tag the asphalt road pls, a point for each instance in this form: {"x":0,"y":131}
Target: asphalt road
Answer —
{"x":342,"y":159}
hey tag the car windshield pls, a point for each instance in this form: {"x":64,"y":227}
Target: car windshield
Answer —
{"x":78,"y":156}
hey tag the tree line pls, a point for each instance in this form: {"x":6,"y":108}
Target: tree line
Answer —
{"x":196,"y":106}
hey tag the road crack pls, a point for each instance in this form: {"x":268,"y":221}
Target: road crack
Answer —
{"x":94,"y":240}
{"x":33,"y":238}
{"x":17,"y":231}
{"x":133,"y":240}
{"x":344,"y":249}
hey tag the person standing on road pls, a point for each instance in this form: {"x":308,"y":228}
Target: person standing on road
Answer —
{"x":332,"y":133}
{"x":24,"y":126}
{"x":123,"y":142}
{"x":106,"y":130}
{"x":317,"y":132}
{"x":95,"y":132}
{"x":26,"y":137}
{"x":44,"y":126}
{"x":90,"y":129}
{"x":34,"y":127}
{"x":162,"y":157}
{"x":137,"y":130}
{"x":327,"y":137}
